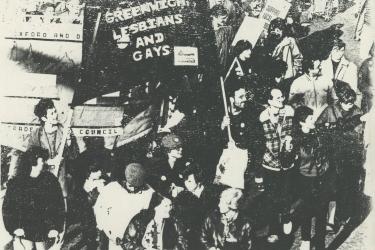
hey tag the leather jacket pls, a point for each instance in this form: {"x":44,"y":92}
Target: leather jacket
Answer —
{"x":174,"y":237}
{"x":212,"y":234}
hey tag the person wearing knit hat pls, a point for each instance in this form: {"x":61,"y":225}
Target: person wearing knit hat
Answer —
{"x":166,"y":175}
{"x":120,"y":201}
{"x":135,"y":175}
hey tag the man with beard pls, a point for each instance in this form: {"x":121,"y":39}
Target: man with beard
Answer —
{"x":280,"y":45}
{"x":278,"y":170}
{"x":317,"y":90}
{"x":245,"y":133}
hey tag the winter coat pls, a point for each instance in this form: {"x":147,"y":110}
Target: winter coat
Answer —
{"x":312,"y":154}
{"x":288,"y":51}
{"x":35,"y":205}
{"x":161,"y":175}
{"x":348,"y":135}
{"x":317,"y":93}
{"x":212,"y":234}
{"x":116,"y":206}
{"x":174,"y":237}
{"x":346,"y":71}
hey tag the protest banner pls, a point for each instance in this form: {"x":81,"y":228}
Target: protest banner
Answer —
{"x":251,"y":35}
{"x":127,"y":43}
{"x":274,"y":9}
{"x":52,"y":29}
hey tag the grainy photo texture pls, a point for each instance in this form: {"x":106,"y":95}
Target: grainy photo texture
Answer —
{"x":187,"y":125}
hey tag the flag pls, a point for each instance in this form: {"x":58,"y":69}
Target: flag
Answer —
{"x":133,"y":42}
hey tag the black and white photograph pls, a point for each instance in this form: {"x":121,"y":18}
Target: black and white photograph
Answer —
{"x":187,"y":125}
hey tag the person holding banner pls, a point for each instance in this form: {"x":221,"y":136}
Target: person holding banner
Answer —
{"x":49,"y":136}
{"x":33,"y":208}
{"x":277,"y":121}
{"x":244,"y":142}
{"x":280,"y":45}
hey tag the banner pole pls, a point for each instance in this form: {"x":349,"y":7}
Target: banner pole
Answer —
{"x":63,"y":140}
{"x":235,"y":60}
{"x":96,"y":28}
{"x":225,"y":107}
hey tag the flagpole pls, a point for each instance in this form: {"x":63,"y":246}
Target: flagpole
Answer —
{"x":96,"y":28}
{"x":235,"y":60}
{"x":225,"y":107}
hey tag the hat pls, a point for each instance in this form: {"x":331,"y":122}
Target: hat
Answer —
{"x":171,"y":141}
{"x":135,"y":174}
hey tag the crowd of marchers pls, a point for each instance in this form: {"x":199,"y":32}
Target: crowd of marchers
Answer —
{"x":292,"y":133}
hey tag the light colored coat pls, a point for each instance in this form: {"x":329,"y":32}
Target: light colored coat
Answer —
{"x":288,"y":51}
{"x":346,"y":72}
{"x":316,"y":92}
{"x":115,"y":207}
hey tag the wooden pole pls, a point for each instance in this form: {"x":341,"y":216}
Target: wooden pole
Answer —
{"x":66,"y":129}
{"x":226,"y":107}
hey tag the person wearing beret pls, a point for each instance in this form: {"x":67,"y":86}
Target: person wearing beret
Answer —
{"x":119,"y":201}
{"x":166,"y":174}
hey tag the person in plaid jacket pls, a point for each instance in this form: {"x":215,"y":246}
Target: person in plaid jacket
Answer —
{"x":277,"y":121}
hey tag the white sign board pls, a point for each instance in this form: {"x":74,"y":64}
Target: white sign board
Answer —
{"x":102,"y":132}
{"x":185,"y":56}
{"x":250,"y":30}
{"x":274,"y":9}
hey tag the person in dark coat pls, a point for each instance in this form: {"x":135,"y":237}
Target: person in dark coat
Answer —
{"x":195,"y":203}
{"x":315,"y":179}
{"x":347,"y":148}
{"x":94,"y":154}
{"x":226,"y":228}
{"x":155,"y":228}
{"x":33,"y":208}
{"x":165,"y":176}
{"x":277,"y":78}
{"x":246,"y":131}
